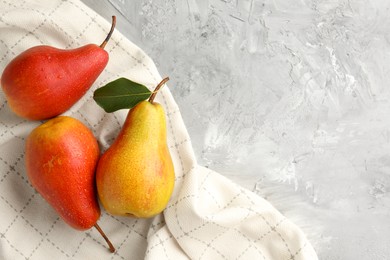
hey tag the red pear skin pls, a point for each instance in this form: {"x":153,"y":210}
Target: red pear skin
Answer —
{"x":61,"y":157}
{"x":43,"y":81}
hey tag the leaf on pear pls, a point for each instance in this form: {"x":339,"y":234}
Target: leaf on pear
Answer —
{"x":119,"y":94}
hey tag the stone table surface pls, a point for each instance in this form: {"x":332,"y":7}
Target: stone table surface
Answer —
{"x":288,"y":98}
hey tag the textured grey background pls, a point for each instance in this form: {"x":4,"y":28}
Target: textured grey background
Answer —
{"x":287,"y":98}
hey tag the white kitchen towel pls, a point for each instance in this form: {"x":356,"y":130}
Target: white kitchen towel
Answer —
{"x":208,"y":217}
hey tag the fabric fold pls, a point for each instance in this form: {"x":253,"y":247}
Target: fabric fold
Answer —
{"x":214,"y":218}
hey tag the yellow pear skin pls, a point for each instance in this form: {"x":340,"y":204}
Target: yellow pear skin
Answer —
{"x":135,"y":176}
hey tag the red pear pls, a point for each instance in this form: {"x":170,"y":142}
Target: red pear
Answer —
{"x":61,"y":158}
{"x":43,"y":82}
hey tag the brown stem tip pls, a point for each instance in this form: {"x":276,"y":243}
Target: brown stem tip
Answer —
{"x":111,"y":247}
{"x":109,"y":33}
{"x":151,"y":98}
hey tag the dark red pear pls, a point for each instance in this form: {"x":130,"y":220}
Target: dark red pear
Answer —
{"x":43,"y":82}
{"x":60,"y":159}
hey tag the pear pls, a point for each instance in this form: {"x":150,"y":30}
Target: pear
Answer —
{"x":135,"y":176}
{"x":43,"y":81}
{"x":61,"y":157}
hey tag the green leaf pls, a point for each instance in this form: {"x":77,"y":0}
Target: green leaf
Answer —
{"x":120,"y":94}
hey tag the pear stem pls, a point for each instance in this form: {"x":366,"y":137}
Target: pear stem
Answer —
{"x":151,"y":98}
{"x":112,"y":248}
{"x":109,"y":33}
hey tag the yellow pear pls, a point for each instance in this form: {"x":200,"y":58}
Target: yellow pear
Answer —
{"x":135,"y":176}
